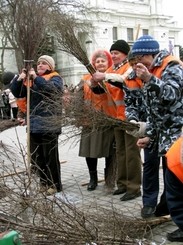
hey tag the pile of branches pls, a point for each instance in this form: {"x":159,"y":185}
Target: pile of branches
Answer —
{"x":40,"y":219}
{"x":43,"y":220}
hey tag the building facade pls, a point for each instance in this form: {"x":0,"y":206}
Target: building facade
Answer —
{"x":122,"y":19}
{"x":113,"y":20}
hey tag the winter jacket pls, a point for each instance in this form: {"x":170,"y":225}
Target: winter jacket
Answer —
{"x":162,"y":100}
{"x":45,"y":102}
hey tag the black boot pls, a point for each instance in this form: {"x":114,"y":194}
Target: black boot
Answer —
{"x":93,"y":181}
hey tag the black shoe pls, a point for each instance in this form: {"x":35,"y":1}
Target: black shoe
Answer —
{"x":161,"y":210}
{"x":147,"y":212}
{"x":130,"y":196}
{"x":91,"y":186}
{"x":175,"y":236}
{"x":93,"y":181}
{"x":119,"y":191}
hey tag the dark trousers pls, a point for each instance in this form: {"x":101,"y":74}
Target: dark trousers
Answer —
{"x":150,"y":182}
{"x":174,"y":195}
{"x":14,"y":111}
{"x":47,"y":159}
{"x":6,"y":112}
{"x":150,"y":178}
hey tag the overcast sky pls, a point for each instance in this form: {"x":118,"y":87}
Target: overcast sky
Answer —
{"x":173,"y":7}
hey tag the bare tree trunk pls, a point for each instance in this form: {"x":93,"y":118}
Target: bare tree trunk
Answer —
{"x":19,"y":59}
{"x":4,"y":43}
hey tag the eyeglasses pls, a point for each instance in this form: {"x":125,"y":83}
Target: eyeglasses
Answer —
{"x":139,"y":57}
{"x":136,"y":59}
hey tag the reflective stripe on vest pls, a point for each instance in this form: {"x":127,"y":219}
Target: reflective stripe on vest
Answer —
{"x":117,"y":93}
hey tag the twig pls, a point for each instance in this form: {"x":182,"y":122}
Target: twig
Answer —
{"x":11,"y":174}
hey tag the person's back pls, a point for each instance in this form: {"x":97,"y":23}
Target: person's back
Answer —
{"x":1,"y":100}
{"x":6,"y":109}
{"x":13,"y":105}
{"x":1,"y":105}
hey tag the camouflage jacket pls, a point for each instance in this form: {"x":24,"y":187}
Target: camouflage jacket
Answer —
{"x":160,"y":102}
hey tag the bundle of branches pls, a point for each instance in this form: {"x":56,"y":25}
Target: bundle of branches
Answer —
{"x":53,"y":221}
{"x":88,"y":116}
{"x":80,"y":114}
{"x":66,"y":30}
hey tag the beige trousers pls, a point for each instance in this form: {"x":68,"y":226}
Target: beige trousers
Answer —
{"x":128,"y":161}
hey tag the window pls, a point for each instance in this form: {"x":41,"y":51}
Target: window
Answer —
{"x":115,"y":34}
{"x":130,"y":34}
{"x":82,"y":37}
{"x":145,"y":31}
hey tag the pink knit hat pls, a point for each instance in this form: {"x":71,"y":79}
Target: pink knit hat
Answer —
{"x":101,"y":53}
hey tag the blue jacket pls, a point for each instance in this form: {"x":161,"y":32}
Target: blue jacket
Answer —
{"x":45,"y":102}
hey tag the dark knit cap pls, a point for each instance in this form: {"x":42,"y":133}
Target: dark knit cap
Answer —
{"x":145,"y":45}
{"x":7,"y":77}
{"x":120,"y":45}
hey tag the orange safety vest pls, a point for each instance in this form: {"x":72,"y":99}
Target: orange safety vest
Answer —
{"x":22,"y":105}
{"x":157,"y":71}
{"x":22,"y":102}
{"x":102,"y":102}
{"x":118,"y":94}
{"x":175,"y":158}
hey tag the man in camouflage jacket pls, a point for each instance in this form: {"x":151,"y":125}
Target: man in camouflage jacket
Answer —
{"x":162,"y":75}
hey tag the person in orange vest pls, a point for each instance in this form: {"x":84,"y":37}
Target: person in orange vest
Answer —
{"x":46,"y":88}
{"x":127,"y":151}
{"x":97,"y":143}
{"x":162,"y":75}
{"x":175,"y":158}
{"x":136,"y":112}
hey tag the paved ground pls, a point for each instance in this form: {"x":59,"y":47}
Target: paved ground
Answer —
{"x":74,"y":176}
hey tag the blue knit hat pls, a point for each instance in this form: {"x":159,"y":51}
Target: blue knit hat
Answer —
{"x":145,"y":45}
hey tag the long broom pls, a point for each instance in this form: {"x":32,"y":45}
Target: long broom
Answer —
{"x":65,"y":31}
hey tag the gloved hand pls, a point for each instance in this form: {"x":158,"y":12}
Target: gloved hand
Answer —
{"x":139,"y":132}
